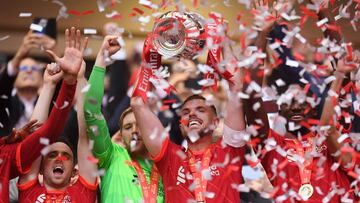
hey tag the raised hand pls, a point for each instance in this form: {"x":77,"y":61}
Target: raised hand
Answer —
{"x":30,"y":41}
{"x":70,"y":63}
{"x":109,"y":47}
{"x":263,"y":6}
{"x":19,"y":135}
{"x":53,"y":74}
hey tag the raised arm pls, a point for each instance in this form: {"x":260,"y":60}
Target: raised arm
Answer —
{"x":149,"y":124}
{"x":328,"y":112}
{"x":257,"y":75}
{"x":96,"y":124}
{"x":87,"y":165}
{"x":70,"y":63}
{"x":52,"y":75}
{"x":234,"y":116}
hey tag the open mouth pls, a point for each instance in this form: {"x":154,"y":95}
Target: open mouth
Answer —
{"x":135,"y":137}
{"x":194,"y":123}
{"x":58,"y":170}
{"x":297,"y":117}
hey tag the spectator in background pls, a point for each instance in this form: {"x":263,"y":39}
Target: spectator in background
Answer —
{"x":25,"y":74}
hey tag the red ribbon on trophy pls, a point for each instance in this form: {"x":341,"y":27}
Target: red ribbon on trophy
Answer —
{"x":151,"y":60}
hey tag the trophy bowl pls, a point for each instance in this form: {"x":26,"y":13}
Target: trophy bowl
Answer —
{"x":179,"y":34}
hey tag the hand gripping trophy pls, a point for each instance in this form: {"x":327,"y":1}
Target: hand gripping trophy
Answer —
{"x":180,"y":35}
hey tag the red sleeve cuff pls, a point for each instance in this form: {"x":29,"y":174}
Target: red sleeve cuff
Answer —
{"x":91,"y":186}
{"x":27,"y":185}
{"x":162,"y":151}
{"x":18,"y":161}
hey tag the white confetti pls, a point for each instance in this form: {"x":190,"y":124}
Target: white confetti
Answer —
{"x":90,"y":31}
{"x":66,"y":103}
{"x":256,"y":106}
{"x":292,"y":63}
{"x":342,"y":138}
{"x":45,"y":150}
{"x":112,"y":14}
{"x":335,"y":166}
{"x":241,"y":187}
{"x":4,"y":38}
{"x":24,"y":15}
{"x":280,"y":82}
{"x":322,"y":22}
{"x":144,"y":20}
{"x":145,"y":2}
{"x":242,"y":95}
{"x":44,"y":141}
{"x":86,"y":88}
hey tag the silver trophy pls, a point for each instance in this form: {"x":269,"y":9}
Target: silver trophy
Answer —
{"x":179,"y":34}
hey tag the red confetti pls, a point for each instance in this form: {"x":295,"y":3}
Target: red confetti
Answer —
{"x":139,"y":11}
{"x":169,"y":101}
{"x":74,"y":12}
{"x":87,"y":12}
{"x":307,"y":12}
{"x":164,"y":108}
{"x":349,"y":52}
{"x":298,"y":56}
{"x":93,"y":159}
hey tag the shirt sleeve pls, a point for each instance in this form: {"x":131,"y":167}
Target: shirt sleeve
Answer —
{"x":235,"y":138}
{"x":165,"y":158}
{"x":30,"y":148}
{"x":97,"y":128}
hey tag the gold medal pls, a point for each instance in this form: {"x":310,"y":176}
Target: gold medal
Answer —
{"x":306,"y":191}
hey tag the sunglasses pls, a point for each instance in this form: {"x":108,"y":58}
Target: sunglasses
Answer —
{"x":31,"y":68}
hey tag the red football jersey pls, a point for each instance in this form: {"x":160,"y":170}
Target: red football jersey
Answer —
{"x":225,"y":171}
{"x":81,"y":191}
{"x":8,"y":168}
{"x":283,"y":172}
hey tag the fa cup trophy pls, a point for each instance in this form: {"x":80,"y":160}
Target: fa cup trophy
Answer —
{"x":179,"y":34}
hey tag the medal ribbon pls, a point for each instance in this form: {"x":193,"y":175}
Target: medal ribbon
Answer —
{"x":151,"y":60}
{"x":305,"y":172}
{"x":149,"y":191}
{"x":200,"y":181}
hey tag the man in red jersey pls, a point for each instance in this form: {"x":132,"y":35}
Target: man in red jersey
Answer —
{"x":304,"y":164}
{"x":209,"y":170}
{"x":18,"y":158}
{"x":58,"y":162}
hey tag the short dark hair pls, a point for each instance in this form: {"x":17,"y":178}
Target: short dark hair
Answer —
{"x":73,"y":148}
{"x":197,"y":96}
{"x":121,"y":120}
